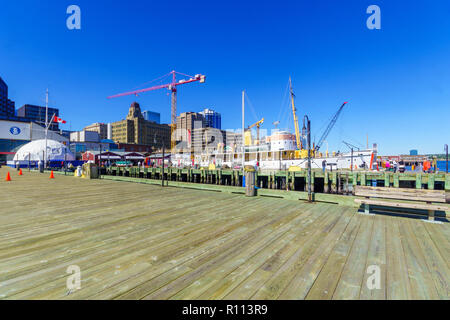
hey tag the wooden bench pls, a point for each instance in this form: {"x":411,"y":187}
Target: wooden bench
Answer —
{"x":413,"y":199}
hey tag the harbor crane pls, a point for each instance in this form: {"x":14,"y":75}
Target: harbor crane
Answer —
{"x":294,"y":111}
{"x":172,"y":86}
{"x":329,"y":127}
{"x":258,"y":125}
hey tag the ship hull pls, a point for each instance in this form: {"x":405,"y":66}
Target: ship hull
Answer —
{"x":364,"y":159}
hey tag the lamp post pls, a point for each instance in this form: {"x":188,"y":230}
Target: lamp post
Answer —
{"x":446,"y":158}
{"x":308,"y":133}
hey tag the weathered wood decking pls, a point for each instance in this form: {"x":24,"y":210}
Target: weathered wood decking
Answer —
{"x":135,"y":241}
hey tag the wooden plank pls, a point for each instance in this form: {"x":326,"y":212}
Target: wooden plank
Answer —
{"x":376,"y":258}
{"x":351,"y":280}
{"x":397,"y":281}
{"x":325,"y":285}
{"x":303,"y":280}
{"x":422,"y":286}
{"x":437,"y":266}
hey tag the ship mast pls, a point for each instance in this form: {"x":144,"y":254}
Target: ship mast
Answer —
{"x":297,"y":131}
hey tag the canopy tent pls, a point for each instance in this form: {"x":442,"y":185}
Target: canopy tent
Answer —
{"x":34,"y":151}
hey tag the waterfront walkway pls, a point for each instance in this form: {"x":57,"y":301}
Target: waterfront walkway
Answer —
{"x":139,"y":241}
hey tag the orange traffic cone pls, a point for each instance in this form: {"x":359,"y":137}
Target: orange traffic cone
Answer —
{"x":20,"y":172}
{"x":8,"y":177}
{"x":51,"y":175}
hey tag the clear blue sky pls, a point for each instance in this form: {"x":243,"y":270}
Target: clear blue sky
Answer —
{"x":397,"y":79}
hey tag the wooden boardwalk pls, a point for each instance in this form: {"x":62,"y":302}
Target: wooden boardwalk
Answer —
{"x":136,"y":241}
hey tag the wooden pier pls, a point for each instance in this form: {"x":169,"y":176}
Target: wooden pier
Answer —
{"x":142,"y":241}
{"x":334,"y":182}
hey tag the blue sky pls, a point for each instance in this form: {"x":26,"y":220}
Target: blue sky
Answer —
{"x":397,"y":79}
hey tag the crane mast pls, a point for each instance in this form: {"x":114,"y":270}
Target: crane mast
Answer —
{"x":297,"y":131}
{"x":329,"y":127}
{"x":172,"y":86}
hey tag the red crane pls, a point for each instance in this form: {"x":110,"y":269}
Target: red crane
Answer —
{"x":172,"y":86}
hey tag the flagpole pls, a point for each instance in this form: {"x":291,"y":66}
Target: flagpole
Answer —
{"x":46,"y":128}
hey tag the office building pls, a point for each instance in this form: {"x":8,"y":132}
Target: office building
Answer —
{"x":7,"y":107}
{"x":152,"y":116}
{"x":100,"y":128}
{"x":136,"y":130}
{"x":213,"y":119}
{"x":37,"y":114}
{"x":84,"y":136}
{"x":186,"y":123}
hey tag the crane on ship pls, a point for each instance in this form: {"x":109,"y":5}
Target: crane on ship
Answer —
{"x":257,"y":125}
{"x":294,"y":112}
{"x":172,"y":86}
{"x":329,"y":127}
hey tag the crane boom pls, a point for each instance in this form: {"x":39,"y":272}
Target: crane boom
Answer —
{"x":329,"y":127}
{"x":172,"y":86}
{"x":297,"y":131}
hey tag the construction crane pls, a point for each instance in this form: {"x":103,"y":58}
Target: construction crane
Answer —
{"x":258,"y":125}
{"x":351,"y":146}
{"x":329,"y":127}
{"x":294,"y":112}
{"x":172,"y":86}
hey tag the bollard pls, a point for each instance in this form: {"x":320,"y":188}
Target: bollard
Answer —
{"x":250,"y":174}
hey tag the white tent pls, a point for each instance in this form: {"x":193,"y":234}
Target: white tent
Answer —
{"x":34,"y":150}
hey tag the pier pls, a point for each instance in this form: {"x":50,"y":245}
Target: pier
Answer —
{"x":328,"y":182}
{"x":142,"y":241}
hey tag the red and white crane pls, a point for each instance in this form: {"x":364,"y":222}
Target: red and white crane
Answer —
{"x":172,"y":86}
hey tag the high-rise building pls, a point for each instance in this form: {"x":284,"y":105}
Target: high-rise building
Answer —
{"x":151,"y":116}
{"x":37,"y":114}
{"x":186,"y":123}
{"x":100,"y":128}
{"x":136,"y":130}
{"x":213,"y":119}
{"x":7,"y":107}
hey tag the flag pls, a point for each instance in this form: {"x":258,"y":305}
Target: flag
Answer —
{"x":59,"y":120}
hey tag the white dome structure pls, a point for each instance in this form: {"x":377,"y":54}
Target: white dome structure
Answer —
{"x":34,"y":150}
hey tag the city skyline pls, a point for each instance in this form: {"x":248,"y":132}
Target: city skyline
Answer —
{"x":394,"y":78}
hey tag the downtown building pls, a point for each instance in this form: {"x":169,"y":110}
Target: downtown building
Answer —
{"x":152,"y":116}
{"x":212,"y":118}
{"x":136,"y":130}
{"x":7,"y":106}
{"x":100,"y":128}
{"x":38,"y":115}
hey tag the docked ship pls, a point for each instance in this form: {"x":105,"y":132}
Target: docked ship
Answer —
{"x":281,"y":151}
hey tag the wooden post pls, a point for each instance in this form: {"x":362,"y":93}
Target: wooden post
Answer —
{"x":431,"y":179}
{"x":387,"y":180}
{"x":250,"y":182}
{"x":396,"y":180}
{"x":418,"y":181}
{"x":325,"y":183}
{"x":363,"y":179}
{"x":431,"y":215}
